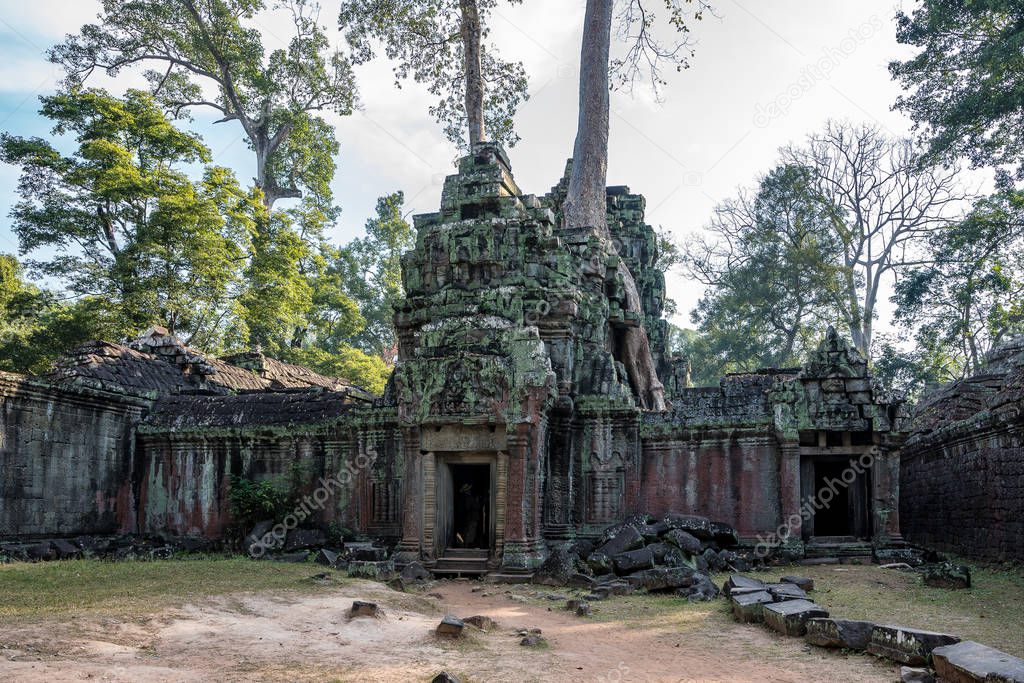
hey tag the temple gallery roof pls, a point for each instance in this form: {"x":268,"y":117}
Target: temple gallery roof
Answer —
{"x":159,"y":364}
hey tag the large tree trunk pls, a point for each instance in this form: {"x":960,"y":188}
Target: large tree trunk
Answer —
{"x":470,"y":30}
{"x":586,"y":200}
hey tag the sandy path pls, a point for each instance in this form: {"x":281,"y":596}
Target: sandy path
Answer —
{"x":308,"y":637}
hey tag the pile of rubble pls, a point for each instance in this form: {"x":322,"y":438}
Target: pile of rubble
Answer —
{"x":924,"y":656}
{"x":110,"y":547}
{"x":675,"y":552}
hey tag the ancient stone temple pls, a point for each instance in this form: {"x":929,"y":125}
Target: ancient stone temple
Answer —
{"x":509,"y":424}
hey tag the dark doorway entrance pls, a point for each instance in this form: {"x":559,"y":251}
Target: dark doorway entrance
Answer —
{"x":471,"y":502}
{"x":832,"y":517}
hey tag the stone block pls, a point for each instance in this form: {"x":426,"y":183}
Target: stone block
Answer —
{"x":361,"y":608}
{"x":971,"y":662}
{"x":803,"y":582}
{"x":791,"y":616}
{"x":325,"y":557}
{"x":684,"y":541}
{"x":786,"y":591}
{"x":909,"y":674}
{"x":692,"y":524}
{"x":662,"y":578}
{"x":843,"y":633}
{"x":303,"y":539}
{"x":480,"y":621}
{"x":623,"y":539}
{"x":445,"y":677}
{"x":746,"y":608}
{"x":632,"y":561}
{"x":741,"y":581}
{"x":450,"y":627}
{"x":947,"y":575}
{"x":909,"y":646}
{"x":724,"y":534}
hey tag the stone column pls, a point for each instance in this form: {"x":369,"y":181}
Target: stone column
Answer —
{"x":410,"y":547}
{"x":523,"y":548}
{"x":885,"y":492}
{"x":789,"y":495}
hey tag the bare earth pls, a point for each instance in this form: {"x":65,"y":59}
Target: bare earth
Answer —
{"x":308,"y":637}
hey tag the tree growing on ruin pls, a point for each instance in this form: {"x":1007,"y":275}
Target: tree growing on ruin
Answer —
{"x":772,"y":266}
{"x":442,"y":44}
{"x":209,"y":55}
{"x":885,"y":203}
{"x":965,"y":86}
{"x":584,"y":205}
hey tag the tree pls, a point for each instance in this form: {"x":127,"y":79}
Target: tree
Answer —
{"x":371,"y":271}
{"x":585,"y":202}
{"x":440,"y":43}
{"x":125,"y":226}
{"x":884,"y":203}
{"x":966,"y":84}
{"x":198,"y":45}
{"x":970,"y":296}
{"x":774,"y":272}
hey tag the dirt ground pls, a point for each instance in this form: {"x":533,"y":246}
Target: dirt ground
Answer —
{"x":308,"y":637}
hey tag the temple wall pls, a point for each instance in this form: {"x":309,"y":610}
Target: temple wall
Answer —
{"x":65,"y":459}
{"x":726,"y":475}
{"x":962,"y":490}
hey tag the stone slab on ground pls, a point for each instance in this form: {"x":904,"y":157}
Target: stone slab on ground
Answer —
{"x":803,"y":582}
{"x":742,"y":582}
{"x":909,"y":646}
{"x":450,"y":627}
{"x":746,"y":608}
{"x":909,"y":674}
{"x":361,"y":608}
{"x":971,"y":662}
{"x":786,"y":591}
{"x":844,"y":633}
{"x":791,"y":616}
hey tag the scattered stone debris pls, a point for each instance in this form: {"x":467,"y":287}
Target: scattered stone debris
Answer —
{"x":480,"y":621}
{"x":841,"y":633}
{"x":533,"y":640}
{"x":791,"y":616}
{"x":327,"y":558}
{"x":947,"y":575}
{"x":450,"y":627}
{"x":969,"y":661}
{"x":415,"y":571}
{"x":909,"y":674}
{"x":445,"y":677}
{"x":799,"y":581}
{"x":361,"y":608}
{"x":747,"y":607}
{"x":583,"y":609}
{"x":909,"y":646}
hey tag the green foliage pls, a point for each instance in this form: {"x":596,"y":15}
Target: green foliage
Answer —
{"x":369,"y":269}
{"x":423,"y":40}
{"x":367,"y":371}
{"x":970,"y":293}
{"x":966,"y":83}
{"x":773,"y":269}
{"x":911,"y":370}
{"x":253,"y":501}
{"x":195,"y":47}
{"x":123,"y":225}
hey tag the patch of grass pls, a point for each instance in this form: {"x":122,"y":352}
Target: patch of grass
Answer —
{"x":33,"y":591}
{"x":989,"y":612}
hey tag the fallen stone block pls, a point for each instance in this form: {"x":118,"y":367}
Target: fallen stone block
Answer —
{"x":802,"y":582}
{"x":971,"y":662}
{"x":303,"y":539}
{"x":844,"y":633}
{"x":621,"y":588}
{"x":533,"y":640}
{"x":790,"y":617}
{"x":583,"y":609}
{"x":480,"y":621}
{"x":786,"y":591}
{"x":684,"y":541}
{"x":702,"y":590}
{"x":598,"y":593}
{"x":361,"y":608}
{"x":692,"y":524}
{"x":450,"y":627}
{"x":445,"y":677}
{"x":623,"y":540}
{"x":580,"y":581}
{"x":909,"y":646}
{"x":947,"y":575}
{"x":747,"y":608}
{"x":325,"y":557}
{"x":741,"y":581}
{"x":724,"y":535}
{"x":909,"y":674}
{"x":662,"y":578}
{"x":65,"y":549}
{"x":633,"y":561}
{"x":599,"y":563}
{"x":369,"y":554}
{"x":415,"y":571}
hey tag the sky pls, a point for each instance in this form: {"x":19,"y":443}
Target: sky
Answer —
{"x":765,"y":74}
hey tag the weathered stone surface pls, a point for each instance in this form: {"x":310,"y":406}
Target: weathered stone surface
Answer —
{"x":741,"y":581}
{"x":559,"y":566}
{"x":695,"y":525}
{"x":578,"y":580}
{"x":662,"y":578}
{"x":908,"y":646}
{"x":971,"y":662}
{"x":361,"y":608}
{"x":625,"y":539}
{"x":684,"y":541}
{"x":450,"y":627}
{"x":533,"y":640}
{"x":304,"y":539}
{"x":724,"y":534}
{"x":947,"y":575}
{"x":791,"y":616}
{"x":599,"y":563}
{"x":747,"y":607}
{"x":583,"y":609}
{"x":415,"y":571}
{"x":786,"y":591}
{"x":702,"y":590}
{"x":378,"y":571}
{"x":369,"y":553}
{"x":843,"y":633}
{"x":325,"y":557}
{"x":64,"y":549}
{"x":802,"y":582}
{"x":632,"y":561}
{"x":909,"y":674}
{"x":445,"y":677}
{"x":481,"y":621}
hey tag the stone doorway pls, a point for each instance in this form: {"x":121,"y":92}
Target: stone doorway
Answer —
{"x":470,"y":506}
{"x":843,"y":496}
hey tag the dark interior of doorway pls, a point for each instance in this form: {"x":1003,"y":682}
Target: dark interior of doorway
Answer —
{"x":833,"y":518}
{"x":471,"y":493}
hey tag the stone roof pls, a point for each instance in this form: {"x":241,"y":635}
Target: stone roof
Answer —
{"x":158,"y":364}
{"x":248,"y":410}
{"x":997,"y":390}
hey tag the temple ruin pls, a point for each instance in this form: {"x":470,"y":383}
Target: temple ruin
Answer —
{"x":509,"y":424}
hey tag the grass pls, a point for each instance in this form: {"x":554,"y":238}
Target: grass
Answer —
{"x":126,"y":589}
